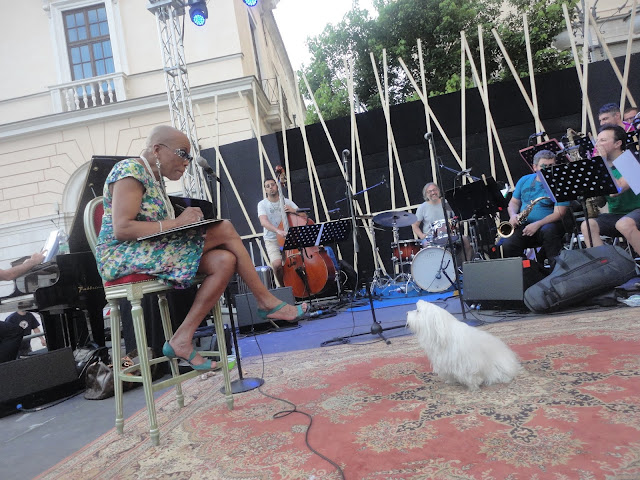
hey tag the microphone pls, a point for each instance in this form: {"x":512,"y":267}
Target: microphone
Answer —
{"x":464,"y":172}
{"x":303,"y":210}
{"x":538,"y":134}
{"x":206,"y":167}
{"x":428,"y":136}
{"x":345,"y":154}
{"x":204,"y":164}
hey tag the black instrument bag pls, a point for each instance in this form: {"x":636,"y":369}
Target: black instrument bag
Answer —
{"x":578,"y":275}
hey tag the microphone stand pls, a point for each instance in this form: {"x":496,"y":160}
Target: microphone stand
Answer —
{"x":429,"y":138}
{"x":242,"y":384}
{"x":376,"y":327}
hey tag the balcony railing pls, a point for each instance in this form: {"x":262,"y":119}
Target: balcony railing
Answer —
{"x":88,"y":93}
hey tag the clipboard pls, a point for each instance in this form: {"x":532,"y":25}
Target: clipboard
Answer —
{"x":201,"y":223}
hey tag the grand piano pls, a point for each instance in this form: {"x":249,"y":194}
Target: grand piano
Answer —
{"x":68,"y":291}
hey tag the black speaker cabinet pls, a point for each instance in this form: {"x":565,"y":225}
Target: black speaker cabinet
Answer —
{"x":247,"y":308}
{"x":499,"y":283}
{"x":37,"y":379}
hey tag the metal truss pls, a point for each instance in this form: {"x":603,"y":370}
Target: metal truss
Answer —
{"x":169,"y":15}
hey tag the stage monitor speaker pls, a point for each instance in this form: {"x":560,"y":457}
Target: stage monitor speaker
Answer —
{"x":499,"y":283}
{"x":37,"y":379}
{"x":247,"y":308}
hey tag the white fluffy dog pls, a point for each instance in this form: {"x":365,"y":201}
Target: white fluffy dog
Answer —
{"x":458,"y":352}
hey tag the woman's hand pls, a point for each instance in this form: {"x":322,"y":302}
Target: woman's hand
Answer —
{"x":190,"y":215}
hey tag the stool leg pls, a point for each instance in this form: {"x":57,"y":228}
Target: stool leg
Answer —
{"x":145,"y":370}
{"x":116,"y":355}
{"x":163,"y":304}
{"x":222,"y":350}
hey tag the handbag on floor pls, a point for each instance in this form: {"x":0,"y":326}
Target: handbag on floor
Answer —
{"x":99,"y":376}
{"x":578,"y":275}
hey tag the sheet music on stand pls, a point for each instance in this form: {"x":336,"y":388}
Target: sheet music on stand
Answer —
{"x":528,"y":153}
{"x":579,"y":179}
{"x":316,"y":234}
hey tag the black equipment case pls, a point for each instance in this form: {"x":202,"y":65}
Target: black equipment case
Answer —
{"x":578,"y":275}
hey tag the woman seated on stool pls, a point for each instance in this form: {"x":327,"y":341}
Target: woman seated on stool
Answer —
{"x":136,"y":205}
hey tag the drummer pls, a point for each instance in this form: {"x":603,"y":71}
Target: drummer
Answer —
{"x":430,"y":212}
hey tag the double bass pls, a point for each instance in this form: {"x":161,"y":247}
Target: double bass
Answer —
{"x":308,"y":271}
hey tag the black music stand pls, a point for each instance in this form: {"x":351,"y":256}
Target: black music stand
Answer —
{"x":528,"y":153}
{"x":478,"y":199}
{"x":578,"y":180}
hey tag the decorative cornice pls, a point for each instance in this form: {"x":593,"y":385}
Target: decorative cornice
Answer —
{"x":127,"y":108}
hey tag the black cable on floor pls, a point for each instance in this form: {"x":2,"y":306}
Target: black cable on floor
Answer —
{"x":284,"y":413}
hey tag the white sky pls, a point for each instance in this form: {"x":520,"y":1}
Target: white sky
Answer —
{"x":299,"y":19}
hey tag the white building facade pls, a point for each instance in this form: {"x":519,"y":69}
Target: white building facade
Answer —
{"x":86,"y":78}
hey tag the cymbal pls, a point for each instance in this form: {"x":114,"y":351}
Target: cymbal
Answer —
{"x":395,"y":219}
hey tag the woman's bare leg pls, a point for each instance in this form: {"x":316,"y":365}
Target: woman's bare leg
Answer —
{"x":218,"y":266}
{"x":223,"y":235}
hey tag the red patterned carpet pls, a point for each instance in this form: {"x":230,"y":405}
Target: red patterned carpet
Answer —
{"x":378,"y":411}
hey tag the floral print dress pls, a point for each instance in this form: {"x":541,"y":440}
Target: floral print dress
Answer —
{"x":173,"y":258}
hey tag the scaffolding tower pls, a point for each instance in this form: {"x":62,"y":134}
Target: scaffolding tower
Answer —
{"x":169,"y":14}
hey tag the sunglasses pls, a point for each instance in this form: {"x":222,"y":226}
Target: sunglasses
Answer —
{"x":179,"y":152}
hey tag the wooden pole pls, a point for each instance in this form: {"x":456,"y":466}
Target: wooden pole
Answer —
{"x":285,"y":147}
{"x":585,"y":61}
{"x":576,"y":60}
{"x":391,"y":141}
{"x":516,"y":77}
{"x":233,"y":186}
{"x":430,"y":112}
{"x":485,"y":101}
{"x":426,"y":109}
{"x":614,"y":65}
{"x":627,"y":58}
{"x":487,"y":114}
{"x":308,"y":156}
{"x":256,"y":130}
{"x":532,"y":82}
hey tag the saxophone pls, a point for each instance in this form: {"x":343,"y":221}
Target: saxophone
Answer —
{"x":505,"y":229}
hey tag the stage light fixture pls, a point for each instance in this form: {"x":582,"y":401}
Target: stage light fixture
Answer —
{"x":198,"y":12}
{"x":250,"y":3}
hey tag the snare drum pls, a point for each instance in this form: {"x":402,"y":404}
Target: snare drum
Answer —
{"x":405,"y":250}
{"x":439,"y":232}
{"x":428,"y":268}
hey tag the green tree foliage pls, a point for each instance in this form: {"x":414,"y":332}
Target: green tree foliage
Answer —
{"x":438,"y":24}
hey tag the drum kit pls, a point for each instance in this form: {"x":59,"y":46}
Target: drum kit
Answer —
{"x":430,"y":264}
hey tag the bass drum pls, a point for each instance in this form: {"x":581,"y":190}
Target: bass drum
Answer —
{"x":429,"y":267}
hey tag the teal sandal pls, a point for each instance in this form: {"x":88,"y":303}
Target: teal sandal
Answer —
{"x":264,"y":314}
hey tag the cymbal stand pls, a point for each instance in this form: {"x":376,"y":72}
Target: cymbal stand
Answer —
{"x":402,"y":277}
{"x":380,"y":278}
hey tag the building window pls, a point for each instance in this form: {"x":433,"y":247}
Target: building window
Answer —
{"x":88,"y":42}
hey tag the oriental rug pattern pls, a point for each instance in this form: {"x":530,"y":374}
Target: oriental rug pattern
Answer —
{"x":380,"y":413}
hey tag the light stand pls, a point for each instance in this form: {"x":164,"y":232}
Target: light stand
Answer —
{"x":429,"y":138}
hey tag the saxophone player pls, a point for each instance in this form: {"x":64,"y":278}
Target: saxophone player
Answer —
{"x":536,"y":221}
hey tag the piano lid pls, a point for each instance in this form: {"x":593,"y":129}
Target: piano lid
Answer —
{"x":98,"y":172}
